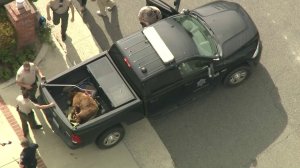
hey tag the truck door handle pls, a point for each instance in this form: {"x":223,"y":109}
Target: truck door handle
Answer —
{"x":153,"y":100}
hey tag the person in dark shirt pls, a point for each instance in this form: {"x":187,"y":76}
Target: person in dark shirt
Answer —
{"x":27,"y":157}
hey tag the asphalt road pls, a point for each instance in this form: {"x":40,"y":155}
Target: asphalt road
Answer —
{"x":228,"y":127}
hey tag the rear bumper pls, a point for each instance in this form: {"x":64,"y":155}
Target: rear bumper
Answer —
{"x":49,"y":113}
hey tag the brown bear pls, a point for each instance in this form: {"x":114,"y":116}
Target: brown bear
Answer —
{"x":83,"y":107}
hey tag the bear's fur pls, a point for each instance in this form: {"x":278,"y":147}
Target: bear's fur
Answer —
{"x":83,"y":107}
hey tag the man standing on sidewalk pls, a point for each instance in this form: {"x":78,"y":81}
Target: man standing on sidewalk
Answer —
{"x":27,"y":78}
{"x":24,"y":108}
{"x":105,"y":5}
{"x":27,"y":157}
{"x":60,"y":10}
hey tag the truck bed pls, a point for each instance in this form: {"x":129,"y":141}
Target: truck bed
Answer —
{"x":100,"y":77}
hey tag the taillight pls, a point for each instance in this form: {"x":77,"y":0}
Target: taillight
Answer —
{"x":75,"y":139}
{"x":127,"y":62}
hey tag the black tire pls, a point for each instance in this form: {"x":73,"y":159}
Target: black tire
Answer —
{"x":237,"y":76}
{"x":110,"y":137}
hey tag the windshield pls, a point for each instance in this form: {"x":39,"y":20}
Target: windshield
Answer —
{"x":200,"y":35}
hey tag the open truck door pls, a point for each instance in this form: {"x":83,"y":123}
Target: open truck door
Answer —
{"x":166,"y":10}
{"x":177,"y":4}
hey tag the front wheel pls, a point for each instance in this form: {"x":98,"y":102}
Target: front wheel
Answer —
{"x":110,"y":137}
{"x":237,"y":76}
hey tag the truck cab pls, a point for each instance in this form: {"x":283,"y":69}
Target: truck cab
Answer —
{"x":158,"y":76}
{"x":188,"y":52}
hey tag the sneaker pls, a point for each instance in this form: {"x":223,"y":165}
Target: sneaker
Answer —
{"x":101,"y":14}
{"x":82,"y":10}
{"x":63,"y":37}
{"x":109,"y":9}
{"x":38,"y":127}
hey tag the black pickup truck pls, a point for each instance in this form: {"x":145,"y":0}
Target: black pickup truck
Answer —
{"x":182,"y":54}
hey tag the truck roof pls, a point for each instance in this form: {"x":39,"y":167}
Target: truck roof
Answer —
{"x":158,"y":44}
{"x":141,"y":55}
{"x":156,"y":48}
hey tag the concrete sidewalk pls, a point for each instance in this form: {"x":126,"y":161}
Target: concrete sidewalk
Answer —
{"x":141,"y":147}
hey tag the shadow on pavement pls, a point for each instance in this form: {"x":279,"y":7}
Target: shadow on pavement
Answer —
{"x":72,"y":55}
{"x":94,"y":23}
{"x":113,"y":27}
{"x":227,"y":128}
{"x":96,"y":30}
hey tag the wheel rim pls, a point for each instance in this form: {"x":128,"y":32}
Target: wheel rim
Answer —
{"x":112,"y":138}
{"x":238,"y":77}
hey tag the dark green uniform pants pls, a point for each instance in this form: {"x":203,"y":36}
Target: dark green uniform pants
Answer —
{"x":64,"y":21}
{"x":27,"y":118}
{"x":32,"y":92}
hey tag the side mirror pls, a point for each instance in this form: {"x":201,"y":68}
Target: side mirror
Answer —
{"x":217,"y":57}
{"x":211,"y":70}
{"x":185,"y":11}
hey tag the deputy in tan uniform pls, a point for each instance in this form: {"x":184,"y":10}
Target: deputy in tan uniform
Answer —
{"x":60,"y":10}
{"x":24,"y":107}
{"x":26,"y":78}
{"x":105,"y":5}
{"x":149,"y":15}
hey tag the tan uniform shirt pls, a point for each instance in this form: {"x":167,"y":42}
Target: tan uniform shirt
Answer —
{"x":25,"y":105}
{"x":27,"y":77}
{"x":149,"y":15}
{"x":58,"y":7}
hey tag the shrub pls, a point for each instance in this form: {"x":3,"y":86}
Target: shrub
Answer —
{"x":10,"y":68}
{"x":5,"y":73}
{"x":44,"y":33}
{"x":6,"y":56}
{"x":28,"y":54}
{"x":7,"y":38}
{"x":3,"y":2}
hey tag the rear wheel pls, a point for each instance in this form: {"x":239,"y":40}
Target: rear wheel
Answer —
{"x":110,"y":137}
{"x":237,"y":76}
